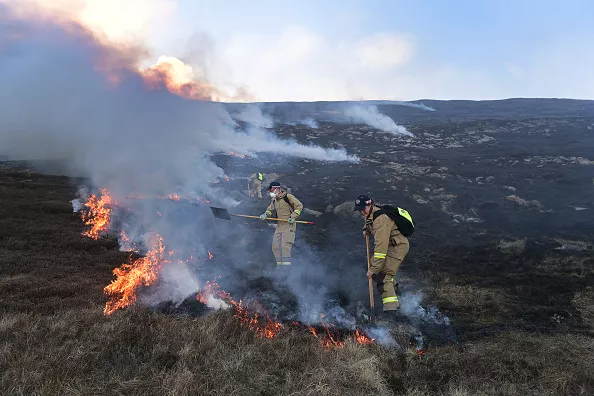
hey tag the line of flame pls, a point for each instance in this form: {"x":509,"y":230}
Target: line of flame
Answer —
{"x":143,"y":271}
{"x":131,"y":276}
{"x":266,"y":327}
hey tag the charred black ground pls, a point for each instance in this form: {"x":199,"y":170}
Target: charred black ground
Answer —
{"x":501,"y":204}
{"x":502,"y":196}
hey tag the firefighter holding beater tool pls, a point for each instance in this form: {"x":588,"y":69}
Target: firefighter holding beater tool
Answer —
{"x":287,"y":207}
{"x":390,"y":227}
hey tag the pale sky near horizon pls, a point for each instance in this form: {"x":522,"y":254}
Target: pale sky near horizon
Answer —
{"x":373,"y":49}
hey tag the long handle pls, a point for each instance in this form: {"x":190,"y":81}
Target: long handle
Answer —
{"x":272,"y":218}
{"x":371,"y":302}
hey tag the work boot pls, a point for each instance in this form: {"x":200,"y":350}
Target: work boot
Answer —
{"x":281,"y":273}
{"x":387,"y":318}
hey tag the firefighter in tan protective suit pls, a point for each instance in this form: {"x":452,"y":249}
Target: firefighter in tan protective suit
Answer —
{"x":390,"y":249}
{"x":287,"y":207}
{"x":256,"y":182}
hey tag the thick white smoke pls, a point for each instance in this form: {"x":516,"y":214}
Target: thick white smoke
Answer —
{"x":411,"y":307}
{"x":308,"y":122}
{"x":418,"y":105}
{"x":252,"y":114}
{"x":370,"y":115}
{"x":407,"y":104}
{"x":67,"y":96}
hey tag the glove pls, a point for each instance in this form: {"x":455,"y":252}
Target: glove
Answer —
{"x":291,"y":220}
{"x":366,"y":230}
{"x":263,"y":216}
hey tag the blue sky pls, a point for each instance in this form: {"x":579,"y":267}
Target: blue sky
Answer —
{"x":459,"y":49}
{"x":372,"y":49}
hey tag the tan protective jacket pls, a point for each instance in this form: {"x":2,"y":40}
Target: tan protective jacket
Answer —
{"x":284,"y":211}
{"x":255,"y":177}
{"x":386,"y":235}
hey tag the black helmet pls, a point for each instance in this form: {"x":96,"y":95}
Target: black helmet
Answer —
{"x":362,"y":201}
{"x":273,"y":184}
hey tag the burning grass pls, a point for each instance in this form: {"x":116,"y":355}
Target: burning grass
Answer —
{"x":55,"y":338}
{"x":98,"y":214}
{"x":144,"y":271}
{"x":130,"y":276}
{"x":258,"y":321}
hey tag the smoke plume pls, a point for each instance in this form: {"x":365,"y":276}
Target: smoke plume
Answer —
{"x":407,"y":104}
{"x":371,"y":116}
{"x":252,"y":114}
{"x":69,"y":95}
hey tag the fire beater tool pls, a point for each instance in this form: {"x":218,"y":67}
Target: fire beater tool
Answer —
{"x":222,"y":213}
{"x":371,"y":302}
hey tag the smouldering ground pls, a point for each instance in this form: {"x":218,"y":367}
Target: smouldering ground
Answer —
{"x":54,"y":338}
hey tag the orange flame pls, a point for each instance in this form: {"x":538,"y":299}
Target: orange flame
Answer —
{"x":173,"y":75}
{"x":173,"y":197}
{"x":98,"y":215}
{"x":362,"y":338}
{"x":266,"y":327}
{"x":225,"y":179}
{"x":237,"y":155}
{"x":131,"y":276}
{"x":330,"y":340}
{"x":269,"y":329}
{"x":126,"y":244}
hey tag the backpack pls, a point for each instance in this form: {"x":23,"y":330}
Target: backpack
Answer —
{"x":286,"y":199}
{"x":400,"y":216}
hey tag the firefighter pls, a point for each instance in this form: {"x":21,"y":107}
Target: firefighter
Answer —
{"x":287,"y":207}
{"x":256,"y":180}
{"x":390,"y":249}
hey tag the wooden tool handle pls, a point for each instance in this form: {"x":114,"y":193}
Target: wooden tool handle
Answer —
{"x":371,"y":302}
{"x":273,"y":219}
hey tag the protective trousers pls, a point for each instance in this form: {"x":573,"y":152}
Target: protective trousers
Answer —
{"x":385,"y":278}
{"x":282,"y":243}
{"x":258,"y":187}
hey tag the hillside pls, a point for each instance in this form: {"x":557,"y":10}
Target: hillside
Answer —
{"x":497,"y":288}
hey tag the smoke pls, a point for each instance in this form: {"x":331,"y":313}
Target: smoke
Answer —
{"x":401,"y":103}
{"x":309,"y":122}
{"x":252,"y":114}
{"x":417,"y":105}
{"x":369,"y":115}
{"x":68,"y":96}
{"x":383,"y":337}
{"x":411,"y":307}
{"x":255,"y":139}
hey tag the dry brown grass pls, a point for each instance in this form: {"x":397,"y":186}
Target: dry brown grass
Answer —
{"x":138,"y":352}
{"x":54,"y":338}
{"x":584,"y":302}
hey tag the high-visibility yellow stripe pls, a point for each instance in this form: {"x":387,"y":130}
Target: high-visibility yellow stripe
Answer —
{"x":297,"y":212}
{"x":379,"y":255}
{"x":260,"y":176}
{"x":283,"y":263}
{"x":390,"y":299}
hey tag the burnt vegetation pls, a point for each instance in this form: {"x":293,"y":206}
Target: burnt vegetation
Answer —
{"x":503,"y":249}
{"x":524,"y":320}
